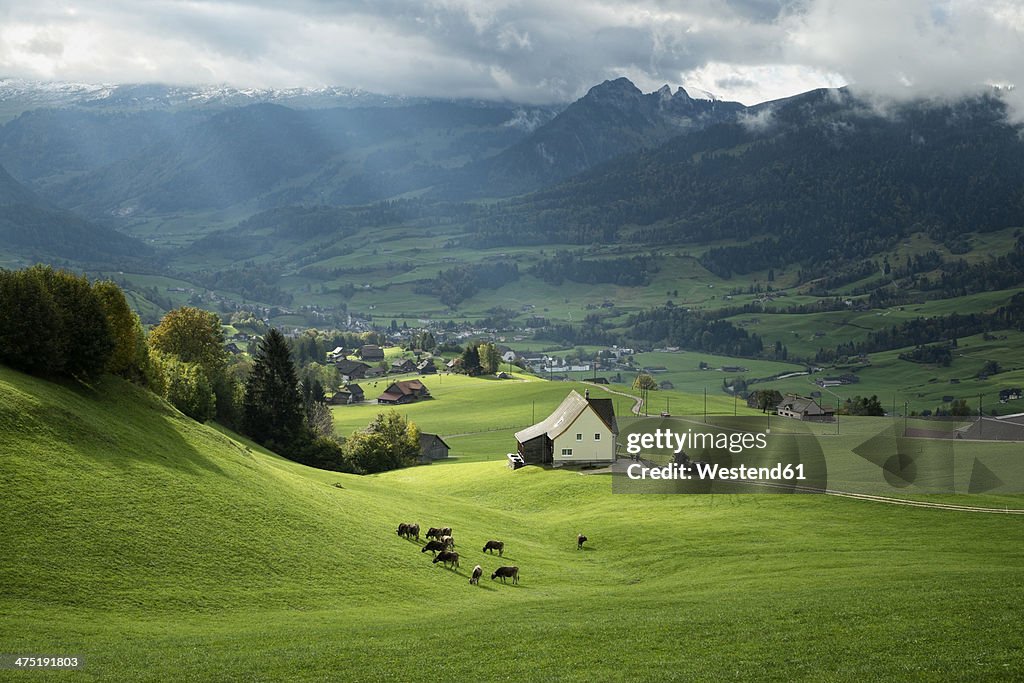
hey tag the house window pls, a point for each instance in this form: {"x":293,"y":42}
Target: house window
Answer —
{"x":579,"y":437}
{"x":597,"y":436}
{"x":566,"y":451}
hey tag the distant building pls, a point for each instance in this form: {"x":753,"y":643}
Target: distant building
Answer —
{"x":371,"y":353}
{"x":403,"y":365}
{"x":580,"y":431}
{"x":1010,"y":395}
{"x":432,"y":447}
{"x":804,"y":408}
{"x":352,"y":393}
{"x":426,"y":367}
{"x":400,"y":393}
{"x":351,"y":369}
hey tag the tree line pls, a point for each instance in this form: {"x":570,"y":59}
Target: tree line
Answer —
{"x":58,"y":325}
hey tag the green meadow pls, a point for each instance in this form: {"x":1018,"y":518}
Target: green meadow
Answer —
{"x":157,"y":548}
{"x":478,"y":417}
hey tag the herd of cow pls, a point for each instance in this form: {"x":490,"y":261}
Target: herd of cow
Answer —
{"x":441,"y":543}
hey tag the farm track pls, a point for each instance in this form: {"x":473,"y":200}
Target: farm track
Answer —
{"x":902,"y":501}
{"x":924,"y":504}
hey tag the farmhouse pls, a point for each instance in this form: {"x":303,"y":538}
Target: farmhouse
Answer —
{"x":1010,"y":394}
{"x":432,"y":447}
{"x":581,"y":431}
{"x":403,"y":365}
{"x":371,"y":353}
{"x":353,"y":393}
{"x":399,"y":393}
{"x":804,"y":408}
{"x":427,"y":367}
{"x":351,"y":369}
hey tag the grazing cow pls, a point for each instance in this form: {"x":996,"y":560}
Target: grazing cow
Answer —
{"x":403,"y":530}
{"x":446,"y":531}
{"x":434,"y":547}
{"x":434,"y":532}
{"x":494,"y":545}
{"x":504,"y":572}
{"x":477,"y":573}
{"x":447,"y":540}
{"x":580,"y":540}
{"x":413,"y":531}
{"x":448,"y":558}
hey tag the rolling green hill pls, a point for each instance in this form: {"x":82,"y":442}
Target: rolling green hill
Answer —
{"x":155,"y":547}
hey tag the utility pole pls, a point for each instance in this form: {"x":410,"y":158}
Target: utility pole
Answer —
{"x":981,"y":416}
{"x":705,"y":405}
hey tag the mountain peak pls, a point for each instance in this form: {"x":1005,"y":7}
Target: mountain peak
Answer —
{"x":619,"y":88}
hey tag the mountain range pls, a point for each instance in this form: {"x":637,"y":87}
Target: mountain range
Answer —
{"x":616,"y":165}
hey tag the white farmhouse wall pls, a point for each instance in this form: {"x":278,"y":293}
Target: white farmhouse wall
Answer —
{"x":588,"y":449}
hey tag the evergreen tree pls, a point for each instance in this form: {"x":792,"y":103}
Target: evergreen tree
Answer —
{"x":272,"y":408}
{"x":471,"y":360}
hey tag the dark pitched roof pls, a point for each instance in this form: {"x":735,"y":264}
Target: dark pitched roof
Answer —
{"x":346,"y":366}
{"x":605,"y":410}
{"x":427,"y":439}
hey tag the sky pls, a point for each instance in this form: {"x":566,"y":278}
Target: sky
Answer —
{"x":534,"y":51}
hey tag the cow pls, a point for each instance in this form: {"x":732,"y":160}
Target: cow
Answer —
{"x":413,"y":531}
{"x":446,"y":531}
{"x":580,"y":540}
{"x":447,"y":540}
{"x":494,"y":545}
{"x":403,"y":530}
{"x":477,"y":573}
{"x":434,"y":547}
{"x":448,"y":558}
{"x":433,"y":532}
{"x":504,"y":572}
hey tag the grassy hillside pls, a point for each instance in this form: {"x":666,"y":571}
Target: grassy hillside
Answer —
{"x":155,"y":547}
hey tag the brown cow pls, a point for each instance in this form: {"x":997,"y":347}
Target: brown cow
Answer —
{"x":477,"y":573}
{"x":448,"y":558}
{"x":434,"y":547}
{"x":413,"y":531}
{"x":434,"y":532}
{"x":494,"y":545}
{"x":504,"y":572}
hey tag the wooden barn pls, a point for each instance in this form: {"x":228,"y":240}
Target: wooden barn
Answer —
{"x":432,"y":447}
{"x":580,"y":431}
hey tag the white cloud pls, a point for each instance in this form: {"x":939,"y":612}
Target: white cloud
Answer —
{"x":529,"y":50}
